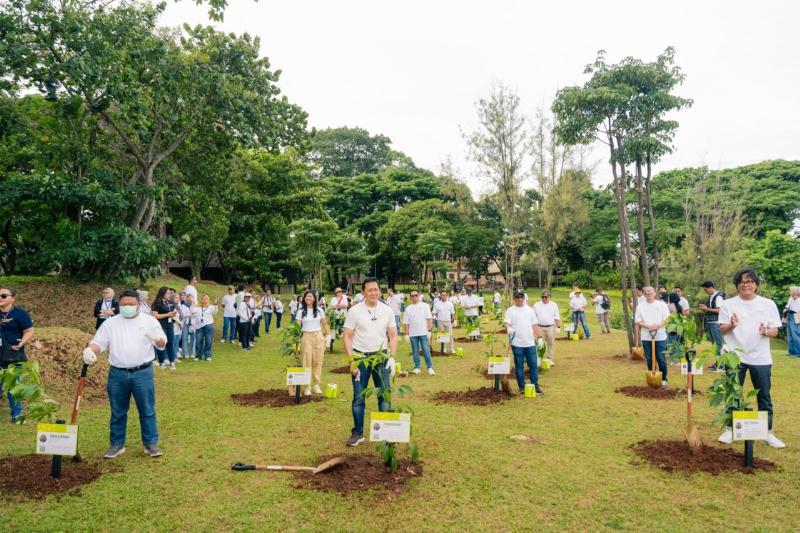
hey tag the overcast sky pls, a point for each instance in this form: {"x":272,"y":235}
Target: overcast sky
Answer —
{"x":413,"y":70}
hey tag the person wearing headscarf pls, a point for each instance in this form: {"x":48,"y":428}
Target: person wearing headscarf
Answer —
{"x":106,"y":307}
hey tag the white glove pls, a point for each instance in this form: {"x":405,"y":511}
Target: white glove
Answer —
{"x":407,"y":338}
{"x":558,"y":329}
{"x":510,"y":331}
{"x":539,"y":342}
{"x":155,"y":337}
{"x":356,"y":373}
{"x":429,"y":336}
{"x":391,"y":366}
{"x":724,"y":349}
{"x":89,"y":357}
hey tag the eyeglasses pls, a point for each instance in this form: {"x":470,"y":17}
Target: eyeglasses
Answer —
{"x":415,"y":295}
{"x":747,"y":282}
{"x":545,"y":297}
{"x":4,"y":296}
{"x":649,"y":292}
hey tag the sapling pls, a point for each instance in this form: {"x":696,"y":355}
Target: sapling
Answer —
{"x":24,"y":382}
{"x":727,"y":391}
{"x":388,"y":450}
{"x":461,"y":316}
{"x":291,"y":339}
{"x":685,"y":329}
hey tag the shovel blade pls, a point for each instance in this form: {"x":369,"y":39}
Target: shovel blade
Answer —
{"x":327,"y":465}
{"x":637,"y":354}
{"x":653,"y":378}
{"x":692,"y":436}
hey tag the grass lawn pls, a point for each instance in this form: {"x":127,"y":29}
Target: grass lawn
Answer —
{"x":579,"y":474}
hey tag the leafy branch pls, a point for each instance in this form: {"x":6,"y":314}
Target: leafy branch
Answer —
{"x":24,"y":382}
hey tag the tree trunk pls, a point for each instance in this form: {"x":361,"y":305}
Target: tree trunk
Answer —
{"x":644,"y":264}
{"x":656,"y":257}
{"x":624,"y":250}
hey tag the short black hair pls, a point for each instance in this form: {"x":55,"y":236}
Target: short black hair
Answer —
{"x":639,"y":288}
{"x":129,"y":293}
{"x":677,"y":287}
{"x":191,"y":277}
{"x":241,"y":287}
{"x":750,"y":271}
{"x":371,"y":279}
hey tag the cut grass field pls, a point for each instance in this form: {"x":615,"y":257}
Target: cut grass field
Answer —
{"x":577,"y":475}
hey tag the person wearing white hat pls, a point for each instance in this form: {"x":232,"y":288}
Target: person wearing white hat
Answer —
{"x":245,"y":314}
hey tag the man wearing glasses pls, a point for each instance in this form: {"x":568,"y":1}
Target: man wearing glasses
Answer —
{"x":418,"y":322}
{"x":747,"y":322}
{"x":651,"y":316}
{"x":445,"y":314}
{"x":522,"y":327}
{"x":549,"y":319}
{"x":16,"y":330}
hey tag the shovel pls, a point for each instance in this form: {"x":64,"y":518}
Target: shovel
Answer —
{"x":77,"y":458}
{"x":653,"y":377}
{"x":637,"y":352}
{"x":324,"y":467}
{"x":690,"y":430}
{"x":505,"y":383}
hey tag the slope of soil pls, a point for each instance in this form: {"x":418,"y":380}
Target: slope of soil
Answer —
{"x":361,"y":473}
{"x":678,"y":455}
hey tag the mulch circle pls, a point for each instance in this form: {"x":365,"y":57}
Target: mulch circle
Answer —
{"x":341,"y":370}
{"x":650,"y":393}
{"x":678,"y":455}
{"x":28,"y":477}
{"x":273,"y":398}
{"x":361,"y":473}
{"x":482,"y":396}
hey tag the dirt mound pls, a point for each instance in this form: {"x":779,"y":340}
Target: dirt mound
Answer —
{"x":273,"y":398}
{"x":482,"y":396}
{"x":341,"y":370}
{"x":59,"y":352}
{"x":678,"y":455}
{"x":28,"y":477}
{"x":361,"y":473}
{"x":650,"y":393}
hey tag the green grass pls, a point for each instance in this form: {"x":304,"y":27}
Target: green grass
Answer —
{"x":578,"y":477}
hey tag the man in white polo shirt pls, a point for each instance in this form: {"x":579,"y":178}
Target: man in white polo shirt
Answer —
{"x":190,"y":288}
{"x":549,"y":319}
{"x":445,"y":314}
{"x":365,"y":330}
{"x":523,"y":327}
{"x":651,"y":316}
{"x":394,"y":302}
{"x":130,"y":337}
{"x":418,"y":323}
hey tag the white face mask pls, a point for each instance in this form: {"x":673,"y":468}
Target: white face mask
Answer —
{"x":128,"y":311}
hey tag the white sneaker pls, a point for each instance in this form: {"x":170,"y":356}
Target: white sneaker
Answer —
{"x":172,"y":366}
{"x":664,"y":385}
{"x":307,"y":392}
{"x":178,"y":360}
{"x":552,"y":363}
{"x":163,"y":366}
{"x":773,"y":441}
{"x":223,"y":340}
{"x":317,"y":390}
{"x":431,"y":372}
{"x":416,"y":371}
{"x":155,"y":362}
{"x":727,"y":437}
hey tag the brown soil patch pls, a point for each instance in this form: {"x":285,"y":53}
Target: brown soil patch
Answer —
{"x":465,"y":341}
{"x":482,"y":396}
{"x":636,"y":391}
{"x":28,"y":477}
{"x":677,"y":455}
{"x":361,"y":473}
{"x":628,"y":358}
{"x":273,"y":398}
{"x":340,"y":370}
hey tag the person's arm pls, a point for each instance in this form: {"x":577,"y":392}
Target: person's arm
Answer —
{"x":536,"y":331}
{"x":98,"y":309}
{"x":727,"y":328}
{"x":430,"y":324}
{"x":26,"y":336}
{"x":347,"y":340}
{"x":392,"y":342}
{"x":324,"y":324}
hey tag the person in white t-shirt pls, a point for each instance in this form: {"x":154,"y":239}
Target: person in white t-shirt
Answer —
{"x":312,"y":343}
{"x":130,"y":337}
{"x":481,"y":302}
{"x":496,"y":298}
{"x":418,"y":323}
{"x":190,"y":288}
{"x":445,"y":314}
{"x":524,"y":336}
{"x":747,"y":322}
{"x":651,"y":317}
{"x":470,"y":305}
{"x":599,"y":298}
{"x":549,"y":318}
{"x":394,"y":302}
{"x":267,"y":308}
{"x":278,"y":307}
{"x":293,"y":308}
{"x":577,"y":303}
{"x":684,"y":302}
{"x":364,"y":336}
{"x":229,"y":315}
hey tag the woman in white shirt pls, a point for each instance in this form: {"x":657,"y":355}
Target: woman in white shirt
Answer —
{"x":188,"y":334}
{"x":177,"y":326}
{"x":792,"y":311}
{"x":278,"y":310}
{"x":312,"y":343}
{"x":203,"y":319}
{"x":293,"y":305}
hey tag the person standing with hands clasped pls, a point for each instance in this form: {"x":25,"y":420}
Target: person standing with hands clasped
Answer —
{"x":130,"y":338}
{"x":523,"y":327}
{"x":652,"y":316}
{"x":16,"y":330}
{"x":549,"y":318}
{"x":747,"y":322}
{"x":203,"y":319}
{"x":105,"y":307}
{"x":418,"y":323}
{"x":364,"y":335}
{"x":312,"y":343}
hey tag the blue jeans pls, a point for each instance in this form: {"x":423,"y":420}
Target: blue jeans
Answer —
{"x":121,"y":385}
{"x":421,"y":341}
{"x":522,"y":356}
{"x":254,"y":329}
{"x":169,"y":348}
{"x":397,"y":322}
{"x":380,"y":376}
{"x":205,"y":336}
{"x":661,"y":347}
{"x":715,"y":334}
{"x":581,"y":315}
{"x":187,"y":340}
{"x":761,"y":378}
{"x":793,"y":336}
{"x":16,"y":408}
{"x":292,"y":315}
{"x":267,"y":321}
{"x":673,"y":338}
{"x":229,"y":322}
{"x":278,"y":319}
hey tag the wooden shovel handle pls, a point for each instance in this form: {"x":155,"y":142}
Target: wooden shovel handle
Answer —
{"x":289,"y":468}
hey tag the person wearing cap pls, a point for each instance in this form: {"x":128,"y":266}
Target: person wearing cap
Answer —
{"x":747,"y":322}
{"x":549,"y":318}
{"x":651,"y":317}
{"x":229,"y":315}
{"x":524,"y":336}
{"x":244,"y":313}
{"x":715,"y":299}
{"x":578,"y":305}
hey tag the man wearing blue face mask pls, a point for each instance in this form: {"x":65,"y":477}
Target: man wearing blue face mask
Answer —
{"x":130,"y":338}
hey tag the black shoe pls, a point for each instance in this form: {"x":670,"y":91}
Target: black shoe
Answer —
{"x":521,"y":391}
{"x":539,"y":390}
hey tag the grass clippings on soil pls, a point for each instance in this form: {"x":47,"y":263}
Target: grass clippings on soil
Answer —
{"x":678,"y":455}
{"x":482,"y":396}
{"x":273,"y":398}
{"x":28,"y":477}
{"x":361,"y":473}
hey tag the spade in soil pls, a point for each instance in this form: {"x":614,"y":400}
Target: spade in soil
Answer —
{"x":690,"y":430}
{"x":653,"y":377}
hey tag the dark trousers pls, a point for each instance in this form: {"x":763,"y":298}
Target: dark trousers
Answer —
{"x":255,"y":328}
{"x":245,"y":331}
{"x":761,"y":378}
{"x":661,"y":360}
